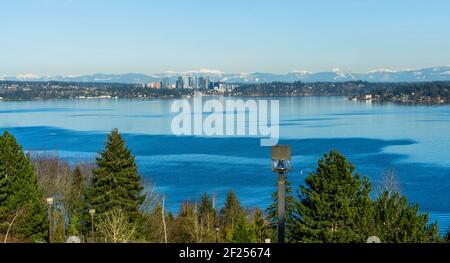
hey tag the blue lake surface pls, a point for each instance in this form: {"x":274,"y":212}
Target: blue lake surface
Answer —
{"x":412,"y":140}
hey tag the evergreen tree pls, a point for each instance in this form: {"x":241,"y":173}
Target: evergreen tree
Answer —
{"x":399,"y":222}
{"x":242,"y":232}
{"x":184,"y":231}
{"x":116,"y":182}
{"x":335,"y":205}
{"x":20,"y":195}
{"x":260,"y":228}
{"x":207,"y":213}
{"x":154,"y":226}
{"x":77,"y":205}
{"x":188,"y":227}
{"x":231,"y":213}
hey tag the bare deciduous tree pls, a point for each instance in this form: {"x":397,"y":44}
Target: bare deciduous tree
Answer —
{"x":163,"y":217}
{"x":17,"y":214}
{"x":388,"y":183}
{"x":55,"y":176}
{"x":115,"y":227}
{"x":190,"y":228}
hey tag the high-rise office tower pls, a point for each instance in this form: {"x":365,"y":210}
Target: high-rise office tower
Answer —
{"x":165,"y":84}
{"x":200,"y":82}
{"x":180,"y":84}
{"x":186,"y":83}
{"x":206,"y":83}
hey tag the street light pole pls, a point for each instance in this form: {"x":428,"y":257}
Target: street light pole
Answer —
{"x":50,"y":212}
{"x":92,"y":213}
{"x":50,"y":226}
{"x":92,"y":230}
{"x":281,"y":163}
{"x":281,"y":206}
{"x":217,"y":233}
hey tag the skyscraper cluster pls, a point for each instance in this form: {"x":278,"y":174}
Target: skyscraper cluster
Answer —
{"x":190,"y":82}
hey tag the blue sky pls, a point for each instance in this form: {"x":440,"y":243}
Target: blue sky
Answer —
{"x":82,"y":37}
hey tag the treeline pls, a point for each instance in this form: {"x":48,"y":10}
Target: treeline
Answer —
{"x":397,"y":92}
{"x":352,"y":88}
{"x":23,"y":91}
{"x":438,"y":92}
{"x":281,"y":89}
{"x":334,"y":205}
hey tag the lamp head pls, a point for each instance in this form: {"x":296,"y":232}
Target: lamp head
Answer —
{"x":49,"y":200}
{"x":281,"y":158}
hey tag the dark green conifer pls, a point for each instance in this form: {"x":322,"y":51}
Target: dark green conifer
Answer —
{"x":242,"y":232}
{"x":77,"y":205}
{"x":153,"y":230}
{"x":116,"y":182}
{"x":20,"y":194}
{"x":260,"y":227}
{"x":207,"y":213}
{"x":232,"y":212}
{"x":335,"y":205}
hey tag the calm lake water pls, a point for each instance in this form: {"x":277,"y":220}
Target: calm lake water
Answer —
{"x":412,"y":140}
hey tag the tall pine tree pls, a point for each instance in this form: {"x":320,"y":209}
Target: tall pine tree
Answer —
{"x":207,"y":213}
{"x":335,"y":204}
{"x":20,"y":195}
{"x":153,"y":226}
{"x":243,"y":232}
{"x":232,"y":211}
{"x":231,"y":215}
{"x":260,"y":227}
{"x":116,"y":182}
{"x":77,"y":204}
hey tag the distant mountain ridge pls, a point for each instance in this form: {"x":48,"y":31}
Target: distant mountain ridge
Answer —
{"x":336,"y":75}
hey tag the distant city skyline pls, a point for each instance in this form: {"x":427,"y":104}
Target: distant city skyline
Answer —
{"x":63,"y":37}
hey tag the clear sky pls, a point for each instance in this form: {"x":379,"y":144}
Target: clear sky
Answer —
{"x":51,"y":37}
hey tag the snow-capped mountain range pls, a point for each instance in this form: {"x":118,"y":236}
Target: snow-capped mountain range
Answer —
{"x":335,"y":75}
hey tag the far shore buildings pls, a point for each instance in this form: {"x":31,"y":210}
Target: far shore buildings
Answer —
{"x":165,"y":83}
{"x":180,"y":83}
{"x":154,"y":85}
{"x":191,"y":82}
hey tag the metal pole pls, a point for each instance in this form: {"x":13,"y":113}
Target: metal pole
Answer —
{"x":163,"y":214}
{"x":281,"y":207}
{"x":50,"y":223}
{"x":92,"y":228}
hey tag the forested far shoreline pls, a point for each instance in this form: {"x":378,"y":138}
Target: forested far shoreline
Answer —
{"x":437,"y":92}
